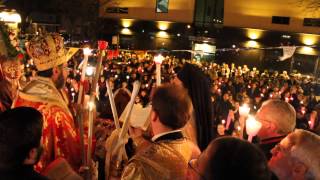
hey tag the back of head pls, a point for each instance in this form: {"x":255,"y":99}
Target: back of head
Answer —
{"x":281,"y":113}
{"x":20,"y":131}
{"x":172,"y":104}
{"x":305,"y":146}
{"x":230,"y":158}
{"x":198,"y":86}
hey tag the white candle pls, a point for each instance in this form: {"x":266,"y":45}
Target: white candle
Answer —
{"x":252,"y":127}
{"x":86,"y":53}
{"x":244,"y":110}
{"x":158,"y":60}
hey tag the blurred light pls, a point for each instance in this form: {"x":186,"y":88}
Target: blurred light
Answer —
{"x":286,"y":36}
{"x":158,"y":59}
{"x":307,"y":50}
{"x":252,"y":44}
{"x":13,"y":17}
{"x":309,"y":39}
{"x":126,"y":31}
{"x":128,"y":77}
{"x":89,"y":71}
{"x":178,"y":34}
{"x":91,"y":105}
{"x":162,"y":34}
{"x":188,"y":26}
{"x":254,"y":33}
{"x":233,"y":46}
{"x":163,"y":25}
{"x":126,"y":22}
{"x":87,"y":51}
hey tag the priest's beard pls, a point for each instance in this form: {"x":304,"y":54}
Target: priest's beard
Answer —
{"x":60,"y":81}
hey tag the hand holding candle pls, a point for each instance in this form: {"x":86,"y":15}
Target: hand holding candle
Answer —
{"x":252,"y":126}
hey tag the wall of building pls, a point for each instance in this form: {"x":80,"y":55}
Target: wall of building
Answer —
{"x":179,"y":10}
{"x":258,"y":14}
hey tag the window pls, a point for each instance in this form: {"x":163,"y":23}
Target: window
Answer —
{"x":314,"y":22}
{"x":280,"y":20}
{"x":119,"y":10}
{"x":162,"y":6}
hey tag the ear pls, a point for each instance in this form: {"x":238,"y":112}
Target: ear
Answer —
{"x":299,"y":169}
{"x":30,"y":159}
{"x":154,"y":116}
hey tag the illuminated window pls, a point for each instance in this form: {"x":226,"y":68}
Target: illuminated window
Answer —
{"x":162,"y":6}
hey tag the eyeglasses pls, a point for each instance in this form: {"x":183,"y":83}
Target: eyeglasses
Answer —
{"x":193,"y":165}
{"x":278,"y":148}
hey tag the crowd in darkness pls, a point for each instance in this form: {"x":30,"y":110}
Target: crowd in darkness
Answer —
{"x":231,"y":87}
{"x":281,"y":101}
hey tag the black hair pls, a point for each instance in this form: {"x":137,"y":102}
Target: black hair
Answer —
{"x":230,"y":158}
{"x":20,"y":131}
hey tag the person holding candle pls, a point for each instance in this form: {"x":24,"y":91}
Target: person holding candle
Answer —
{"x":278,"y":119}
{"x":44,"y":93}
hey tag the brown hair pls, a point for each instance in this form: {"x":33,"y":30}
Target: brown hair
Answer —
{"x":172,"y":104}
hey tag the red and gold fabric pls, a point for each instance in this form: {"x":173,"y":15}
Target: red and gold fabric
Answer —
{"x":59,"y":137}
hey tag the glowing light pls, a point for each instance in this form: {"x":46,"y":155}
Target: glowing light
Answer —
{"x":89,"y":71}
{"x":188,"y":26}
{"x":158,"y":59}
{"x":126,"y":31}
{"x":128,"y":77}
{"x":254,"y":33}
{"x":162,"y":34}
{"x":307,"y":50}
{"x":116,"y":76}
{"x":253,"y":126}
{"x":126,"y":22}
{"x":91,"y":105}
{"x":252,"y":44}
{"x":244,"y":110}
{"x":87,"y":51}
{"x":223,"y":121}
{"x":163,"y":25}
{"x":308,"y":39}
{"x":13,"y":17}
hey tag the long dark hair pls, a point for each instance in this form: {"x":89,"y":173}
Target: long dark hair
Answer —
{"x":198,"y":86}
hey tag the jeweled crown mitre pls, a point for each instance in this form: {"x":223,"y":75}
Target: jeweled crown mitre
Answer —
{"x":47,"y":51}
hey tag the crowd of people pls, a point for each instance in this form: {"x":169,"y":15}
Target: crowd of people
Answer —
{"x":195,"y":132}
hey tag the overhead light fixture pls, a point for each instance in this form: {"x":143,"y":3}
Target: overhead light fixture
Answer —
{"x":163,"y":25}
{"x":254,"y":34}
{"x":126,"y":23}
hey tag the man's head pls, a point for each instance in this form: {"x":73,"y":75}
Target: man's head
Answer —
{"x":297,"y":156}
{"x":277,"y":118}
{"x":230,"y":158}
{"x":171,"y":106}
{"x":49,"y":56}
{"x":20,"y":134}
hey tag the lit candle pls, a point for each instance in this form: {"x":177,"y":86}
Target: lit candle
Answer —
{"x":158,"y":60}
{"x":252,"y":127}
{"x":223,"y":121}
{"x":86,"y":53}
{"x":244,"y":110}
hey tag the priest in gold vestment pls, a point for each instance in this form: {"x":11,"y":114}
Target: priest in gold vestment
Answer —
{"x":59,"y":136}
{"x":168,"y":153}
